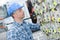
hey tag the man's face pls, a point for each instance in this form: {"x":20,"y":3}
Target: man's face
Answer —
{"x":19,"y":13}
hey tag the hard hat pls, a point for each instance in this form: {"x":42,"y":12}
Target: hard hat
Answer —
{"x":13,"y":7}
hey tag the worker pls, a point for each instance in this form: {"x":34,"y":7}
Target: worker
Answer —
{"x":20,"y":29}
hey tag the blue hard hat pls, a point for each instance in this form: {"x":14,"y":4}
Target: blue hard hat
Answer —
{"x":12,"y":8}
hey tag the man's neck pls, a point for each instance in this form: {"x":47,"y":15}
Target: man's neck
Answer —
{"x":18,"y":20}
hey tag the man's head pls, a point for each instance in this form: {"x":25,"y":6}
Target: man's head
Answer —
{"x":19,"y":14}
{"x":15,"y":10}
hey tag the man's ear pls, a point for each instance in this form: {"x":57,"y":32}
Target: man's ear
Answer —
{"x":13,"y":14}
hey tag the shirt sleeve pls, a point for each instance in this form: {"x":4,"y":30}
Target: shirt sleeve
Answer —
{"x":34,"y":27}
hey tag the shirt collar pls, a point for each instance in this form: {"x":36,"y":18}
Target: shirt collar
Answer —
{"x":18,"y":24}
